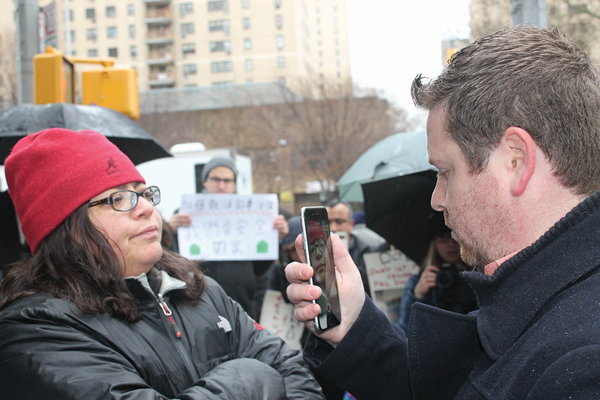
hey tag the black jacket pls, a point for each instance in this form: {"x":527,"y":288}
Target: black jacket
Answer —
{"x":49,"y":349}
{"x":536,"y":335}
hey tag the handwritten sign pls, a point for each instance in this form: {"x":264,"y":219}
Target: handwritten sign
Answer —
{"x":229,"y":227}
{"x":277,"y":317}
{"x":389,"y":270}
{"x":388,"y":273}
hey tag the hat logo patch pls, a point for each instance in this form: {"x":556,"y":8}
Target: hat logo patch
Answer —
{"x":112,"y":167}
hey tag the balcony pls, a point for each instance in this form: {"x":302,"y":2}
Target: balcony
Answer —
{"x":160,"y":58}
{"x":161,"y":79}
{"x":156,"y":16}
{"x":159,"y":36}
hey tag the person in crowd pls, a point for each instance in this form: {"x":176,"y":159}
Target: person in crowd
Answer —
{"x":341,"y":219}
{"x":101,"y":311}
{"x":514,"y":131}
{"x":239,"y":279}
{"x":287,"y":254}
{"x":438,"y":283}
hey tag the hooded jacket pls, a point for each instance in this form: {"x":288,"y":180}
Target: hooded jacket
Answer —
{"x":535,"y":336}
{"x":49,"y":349}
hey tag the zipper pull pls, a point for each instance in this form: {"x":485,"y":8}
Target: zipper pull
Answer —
{"x":168,"y":313}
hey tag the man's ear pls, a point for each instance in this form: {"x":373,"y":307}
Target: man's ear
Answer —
{"x":521,"y":158}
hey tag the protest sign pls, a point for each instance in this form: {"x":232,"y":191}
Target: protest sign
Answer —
{"x":229,"y":227}
{"x":277,"y":317}
{"x":388,"y":272}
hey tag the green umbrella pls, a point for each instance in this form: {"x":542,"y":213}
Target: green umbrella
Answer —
{"x":397,"y":155}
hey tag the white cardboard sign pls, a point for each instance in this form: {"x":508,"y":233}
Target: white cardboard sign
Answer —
{"x":229,"y":227}
{"x":277,"y":317}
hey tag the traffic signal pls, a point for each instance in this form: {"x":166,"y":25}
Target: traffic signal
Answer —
{"x":114,"y":88}
{"x":53,"y":79}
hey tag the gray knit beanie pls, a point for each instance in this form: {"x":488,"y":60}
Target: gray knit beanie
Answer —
{"x":218,"y":162}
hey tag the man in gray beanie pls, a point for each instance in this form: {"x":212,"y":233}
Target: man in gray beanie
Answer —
{"x":239,"y":279}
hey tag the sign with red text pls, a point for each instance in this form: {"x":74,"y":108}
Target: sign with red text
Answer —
{"x":229,"y":227}
{"x":388,"y":272}
{"x":277,"y":317}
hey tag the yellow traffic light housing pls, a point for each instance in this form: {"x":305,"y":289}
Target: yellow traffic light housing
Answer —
{"x":53,"y":79}
{"x":114,"y":88}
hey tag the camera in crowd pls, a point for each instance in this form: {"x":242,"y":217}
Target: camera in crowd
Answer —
{"x":447,"y":276}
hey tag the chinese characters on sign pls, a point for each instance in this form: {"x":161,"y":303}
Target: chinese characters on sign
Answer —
{"x":229,"y":227}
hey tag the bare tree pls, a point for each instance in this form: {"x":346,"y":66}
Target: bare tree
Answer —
{"x":8,"y":70}
{"x":311,"y":136}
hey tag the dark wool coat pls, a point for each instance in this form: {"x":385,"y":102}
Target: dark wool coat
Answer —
{"x":49,"y":349}
{"x":536,"y":335}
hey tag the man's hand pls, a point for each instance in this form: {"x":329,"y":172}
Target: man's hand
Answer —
{"x":350,"y":287}
{"x":426,"y":281}
{"x":281,"y":225}
{"x":179,"y":219}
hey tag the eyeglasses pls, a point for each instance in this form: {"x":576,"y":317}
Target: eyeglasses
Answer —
{"x":317,"y":245}
{"x":338,"y":221}
{"x":217,"y":180}
{"x":125,"y":200}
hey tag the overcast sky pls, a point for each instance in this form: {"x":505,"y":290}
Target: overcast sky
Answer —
{"x":391,"y":41}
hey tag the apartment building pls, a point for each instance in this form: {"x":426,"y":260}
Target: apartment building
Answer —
{"x":197,"y":43}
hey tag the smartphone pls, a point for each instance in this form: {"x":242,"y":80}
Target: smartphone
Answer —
{"x":319,"y":255}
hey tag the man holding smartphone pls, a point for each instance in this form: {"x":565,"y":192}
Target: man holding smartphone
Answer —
{"x":514,"y":130}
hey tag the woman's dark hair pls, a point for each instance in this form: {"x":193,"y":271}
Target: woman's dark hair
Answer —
{"x":76,"y":262}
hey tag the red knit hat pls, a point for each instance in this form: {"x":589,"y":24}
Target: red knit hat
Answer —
{"x":53,"y":172}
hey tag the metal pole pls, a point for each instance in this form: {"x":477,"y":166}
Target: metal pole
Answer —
{"x":530,"y":11}
{"x":67,"y":29}
{"x":26,"y":32}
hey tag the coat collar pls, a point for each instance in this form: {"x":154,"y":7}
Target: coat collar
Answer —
{"x":516,"y":293}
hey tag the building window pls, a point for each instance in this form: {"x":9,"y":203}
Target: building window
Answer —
{"x":222,"y":83}
{"x":133,"y":51}
{"x":132,"y":31}
{"x":92,"y":52}
{"x":245,"y":4}
{"x":246,"y":22}
{"x":187,"y":29}
{"x":247,"y":44}
{"x":131,"y":9}
{"x":219,"y":25}
{"x":188,"y":48}
{"x":221,"y":45}
{"x":277,"y":3}
{"x":280,"y":42}
{"x":278,"y":21}
{"x":111,"y":12}
{"x":220,"y":66}
{"x":186,"y":8}
{"x":111,"y":32}
{"x":91,"y":34}
{"x":217,"y":5}
{"x":339,"y":75}
{"x":71,"y":15}
{"x":281,"y":62}
{"x":112,"y":52}
{"x":90,"y":13}
{"x":71,"y":36}
{"x":249,"y":64}
{"x":189,"y":69}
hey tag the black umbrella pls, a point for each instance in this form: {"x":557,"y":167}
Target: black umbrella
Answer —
{"x":398,"y":209}
{"x":128,"y":136}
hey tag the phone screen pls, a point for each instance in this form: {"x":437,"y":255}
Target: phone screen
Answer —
{"x":318,"y":250}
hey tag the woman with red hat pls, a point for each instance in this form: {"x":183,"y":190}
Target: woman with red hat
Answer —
{"x":101,"y":311}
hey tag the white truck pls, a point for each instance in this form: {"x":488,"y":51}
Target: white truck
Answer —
{"x":181,"y":174}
